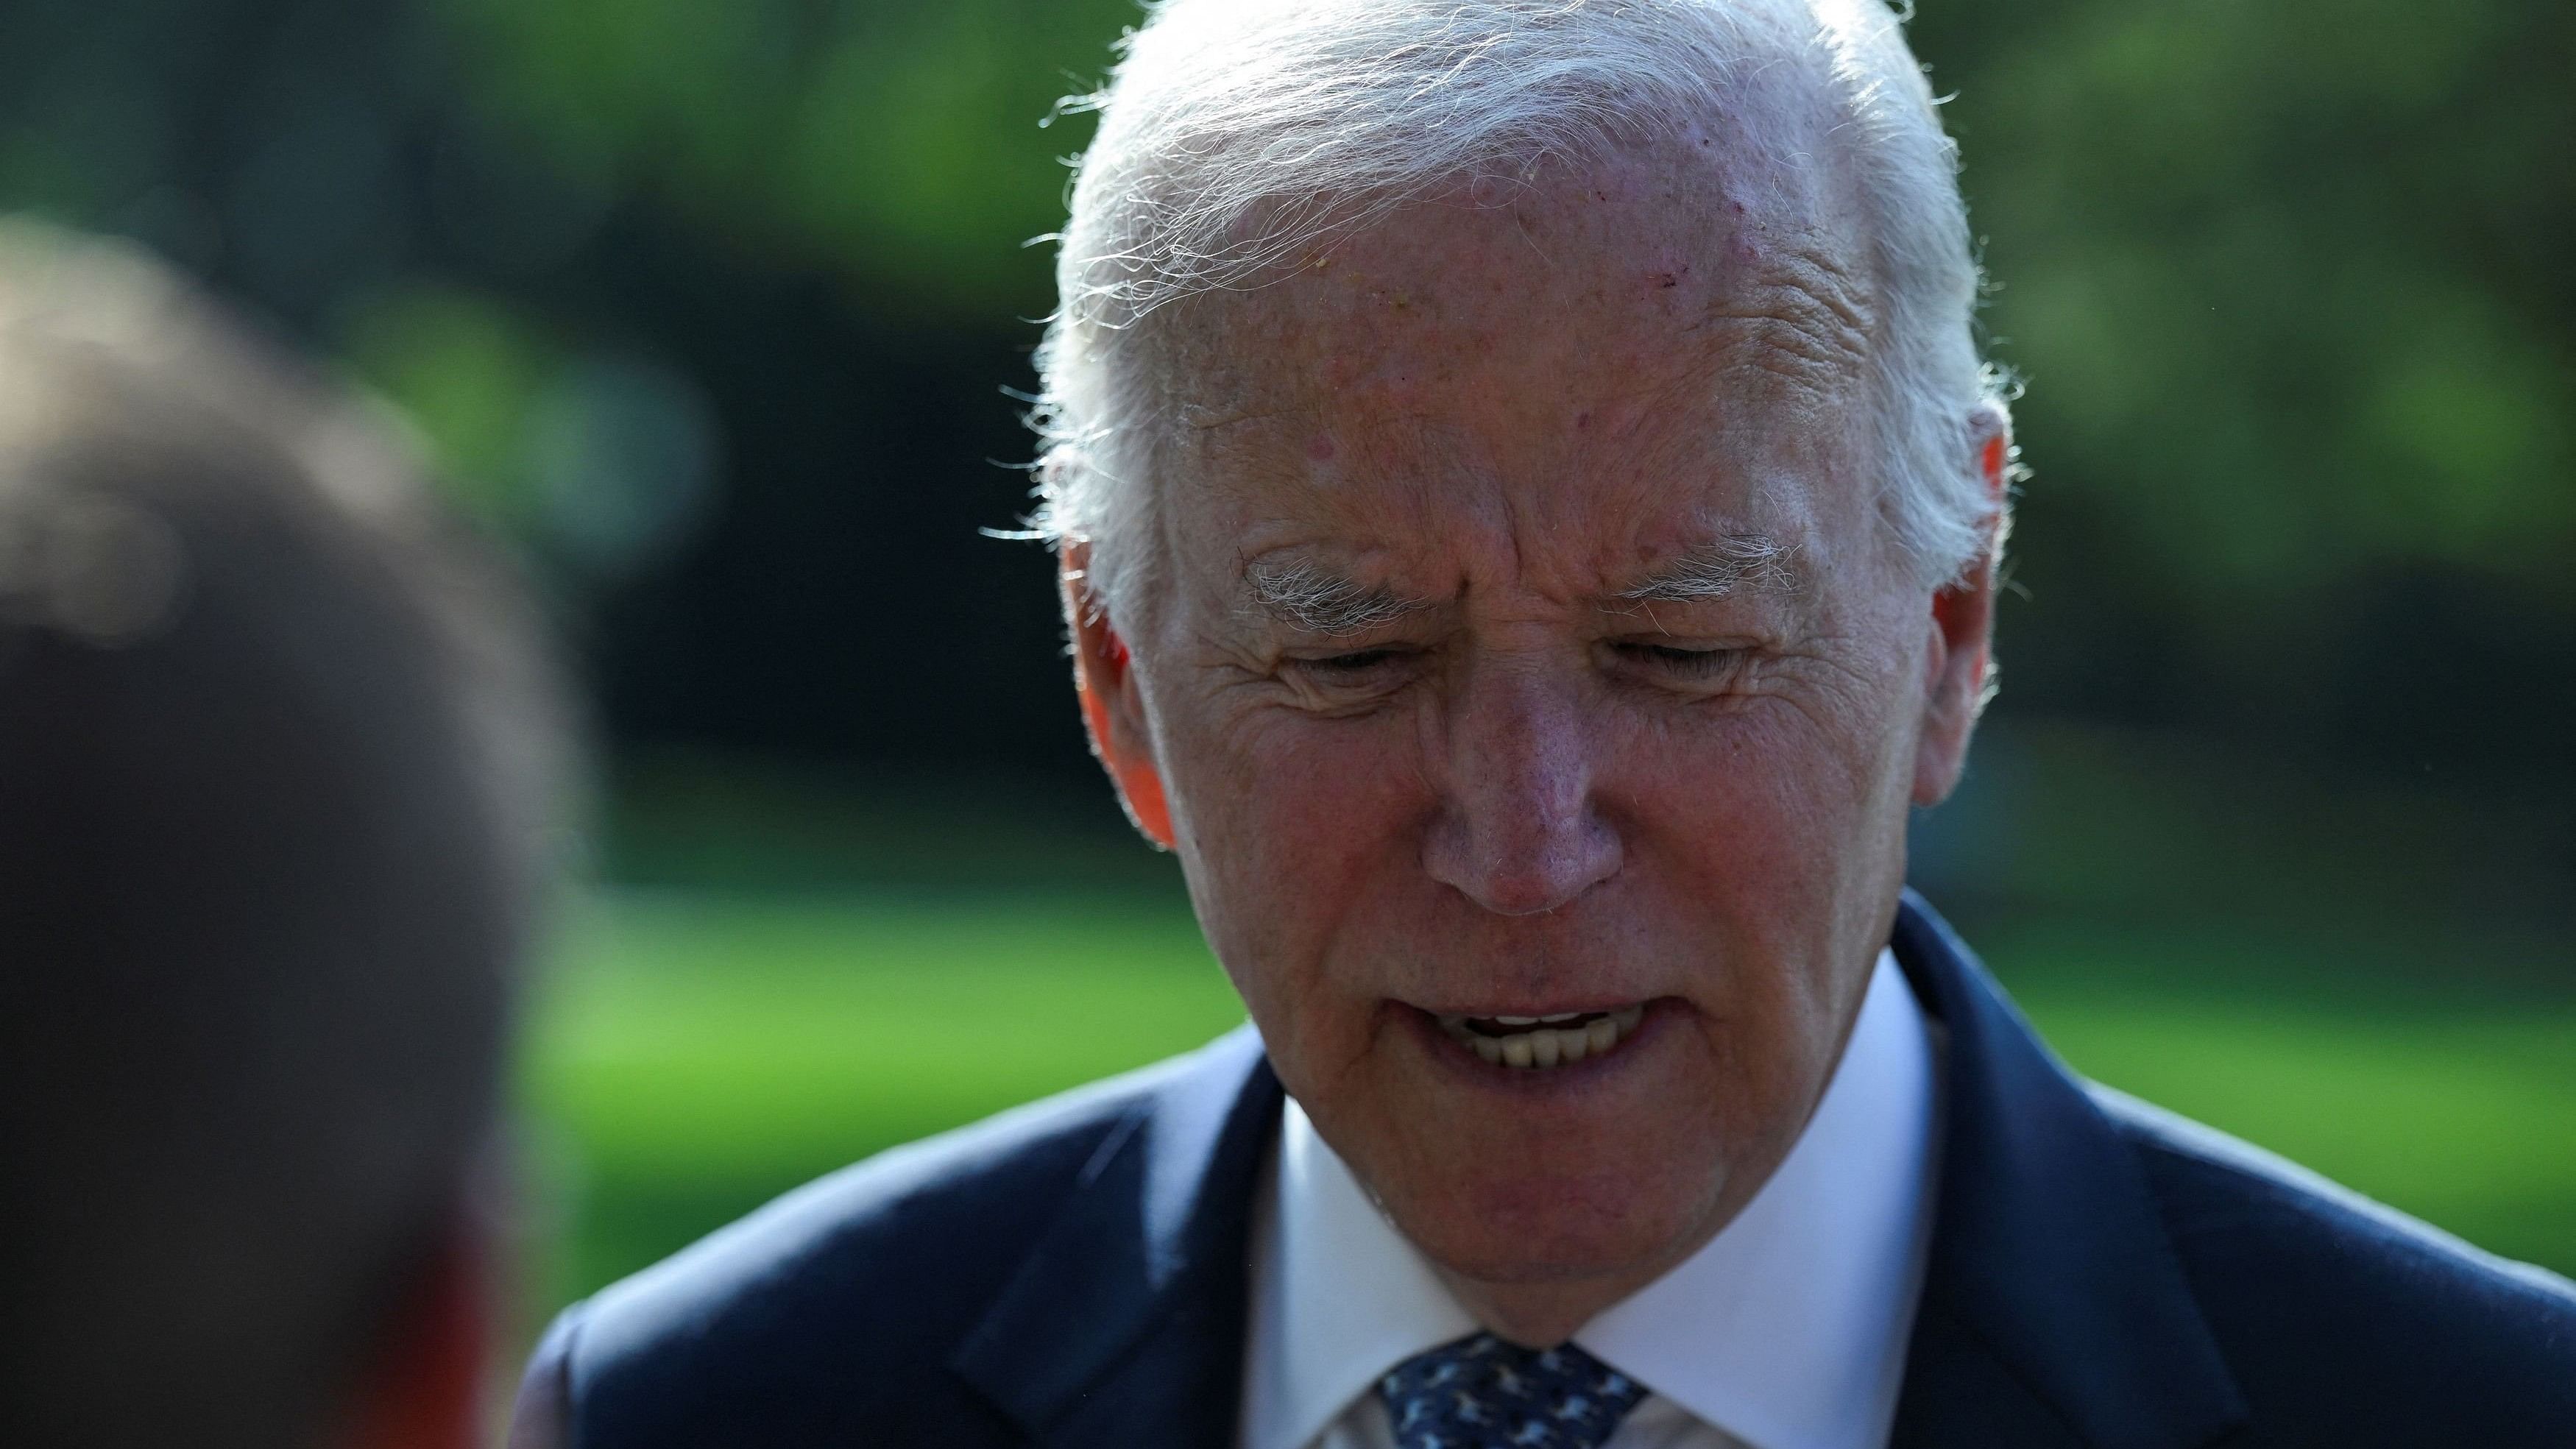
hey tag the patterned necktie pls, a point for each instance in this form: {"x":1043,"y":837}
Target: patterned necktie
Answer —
{"x":1484,"y":1393}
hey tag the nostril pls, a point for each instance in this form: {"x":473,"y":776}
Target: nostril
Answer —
{"x":1528,"y":877}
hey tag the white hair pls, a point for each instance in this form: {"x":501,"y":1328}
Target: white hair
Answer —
{"x":1235,"y":134}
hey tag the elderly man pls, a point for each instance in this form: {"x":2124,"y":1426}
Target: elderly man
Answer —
{"x":1529,"y":501}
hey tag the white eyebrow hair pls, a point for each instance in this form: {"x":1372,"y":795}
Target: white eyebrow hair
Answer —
{"x":1717,"y":570}
{"x":1318,"y":601}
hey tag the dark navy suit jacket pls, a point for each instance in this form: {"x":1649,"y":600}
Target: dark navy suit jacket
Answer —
{"x":2102,"y":1274}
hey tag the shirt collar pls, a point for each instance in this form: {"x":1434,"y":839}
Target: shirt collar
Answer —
{"x":1339,"y":1296}
{"x":1787,"y":1329}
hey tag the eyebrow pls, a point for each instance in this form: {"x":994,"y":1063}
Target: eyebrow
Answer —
{"x":1721,"y":568}
{"x":1319,"y":601}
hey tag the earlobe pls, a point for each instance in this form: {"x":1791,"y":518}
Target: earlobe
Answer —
{"x":1103,"y":683}
{"x":1140,"y":785}
{"x":1954,"y":679}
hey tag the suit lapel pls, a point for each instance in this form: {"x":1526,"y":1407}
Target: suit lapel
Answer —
{"x":2054,"y":1308}
{"x":1125,"y":1325}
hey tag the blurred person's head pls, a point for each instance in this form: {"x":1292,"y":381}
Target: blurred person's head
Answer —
{"x":276,"y":749}
{"x":1529,"y":499}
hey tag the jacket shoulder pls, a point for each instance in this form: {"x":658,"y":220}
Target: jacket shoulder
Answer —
{"x":2345,"y":1321}
{"x":832,"y":1311}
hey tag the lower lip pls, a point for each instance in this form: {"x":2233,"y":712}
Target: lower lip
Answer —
{"x":1460,"y":1058}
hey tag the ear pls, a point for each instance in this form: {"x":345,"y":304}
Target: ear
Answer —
{"x":425,"y":1389}
{"x":1958,"y":666}
{"x":1105,"y":680}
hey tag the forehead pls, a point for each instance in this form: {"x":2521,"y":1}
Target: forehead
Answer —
{"x":1672,"y":341}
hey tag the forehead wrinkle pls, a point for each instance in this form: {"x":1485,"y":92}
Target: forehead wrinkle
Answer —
{"x":1808,"y":321}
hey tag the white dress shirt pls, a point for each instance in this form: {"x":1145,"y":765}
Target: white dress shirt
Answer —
{"x":1785,"y":1331}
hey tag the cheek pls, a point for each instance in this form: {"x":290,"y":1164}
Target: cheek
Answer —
{"x":1285,"y":795}
{"x":1770,"y":820}
{"x":1772,"y":781}
{"x":1296,"y":833}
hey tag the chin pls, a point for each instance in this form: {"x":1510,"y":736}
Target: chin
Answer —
{"x":1604,"y":1168}
{"x":1520,"y":1230}
{"x":1507,"y":1204}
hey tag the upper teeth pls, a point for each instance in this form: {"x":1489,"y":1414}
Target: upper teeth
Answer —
{"x":1544,"y":1045}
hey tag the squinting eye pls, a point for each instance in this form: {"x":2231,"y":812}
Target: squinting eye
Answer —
{"x":1361,"y":673}
{"x":1352,"y":663}
{"x":1676,"y":660}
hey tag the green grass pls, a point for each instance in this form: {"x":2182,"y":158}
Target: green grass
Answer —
{"x":698,"y":1052}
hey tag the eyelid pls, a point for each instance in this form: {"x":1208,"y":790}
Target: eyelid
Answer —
{"x":1382,"y":672}
{"x":1682,"y":662}
{"x":1676,"y":653}
{"x":1680,"y":644}
{"x":1373,"y":653}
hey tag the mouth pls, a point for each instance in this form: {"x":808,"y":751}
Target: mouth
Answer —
{"x":1538,"y":1043}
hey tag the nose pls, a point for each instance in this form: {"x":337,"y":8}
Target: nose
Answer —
{"x":1520,"y":830}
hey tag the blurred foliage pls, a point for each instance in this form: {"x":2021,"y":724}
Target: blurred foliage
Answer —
{"x":607,"y":460}
{"x":2284,"y":272}
{"x":897,"y":142}
{"x":2287,"y":281}
{"x":711,"y":305}
{"x":2287,"y":276}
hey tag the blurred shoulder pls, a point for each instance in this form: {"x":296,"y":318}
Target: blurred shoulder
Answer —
{"x":2347,"y":1319}
{"x":833,"y":1310}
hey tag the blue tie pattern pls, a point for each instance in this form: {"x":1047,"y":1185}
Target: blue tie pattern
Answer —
{"x":1484,"y":1393}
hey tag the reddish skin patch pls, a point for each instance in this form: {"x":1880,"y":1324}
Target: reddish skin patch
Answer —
{"x":1320,"y":448}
